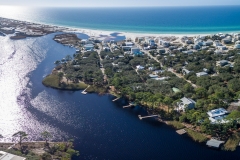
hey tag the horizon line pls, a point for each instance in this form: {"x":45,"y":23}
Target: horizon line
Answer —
{"x":51,"y":6}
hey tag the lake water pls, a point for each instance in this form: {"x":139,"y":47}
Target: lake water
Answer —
{"x":179,"y":20}
{"x":102,"y":129}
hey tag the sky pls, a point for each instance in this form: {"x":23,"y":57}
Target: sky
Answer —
{"x":118,"y":3}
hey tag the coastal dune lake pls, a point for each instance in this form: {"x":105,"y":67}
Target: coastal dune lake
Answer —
{"x":102,"y":129}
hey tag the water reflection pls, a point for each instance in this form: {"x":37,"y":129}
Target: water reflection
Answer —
{"x":18,"y":60}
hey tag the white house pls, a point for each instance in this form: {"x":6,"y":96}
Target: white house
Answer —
{"x":129,"y":44}
{"x":200,"y":74}
{"x":227,"y":40}
{"x":209,"y":42}
{"x":185,"y":71}
{"x":217,"y":52}
{"x":153,"y":76}
{"x":164,"y":43}
{"x":139,"y":67}
{"x":217,"y":115}
{"x":161,"y":78}
{"x":186,"y":103}
{"x":188,"y":52}
{"x":237,"y":45}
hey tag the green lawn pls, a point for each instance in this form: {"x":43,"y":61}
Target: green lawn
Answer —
{"x":176,"y":124}
{"x":53,"y":81}
{"x":196,"y":136}
{"x":232,"y":142}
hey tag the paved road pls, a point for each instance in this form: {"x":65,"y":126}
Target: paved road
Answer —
{"x":102,"y":69}
{"x":169,"y":69}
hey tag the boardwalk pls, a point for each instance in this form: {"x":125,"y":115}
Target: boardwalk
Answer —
{"x":140,"y":117}
{"x":84,"y":91}
{"x":116,"y":99}
{"x":130,"y":105}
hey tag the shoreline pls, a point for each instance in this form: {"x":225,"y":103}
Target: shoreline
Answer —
{"x":128,"y":34}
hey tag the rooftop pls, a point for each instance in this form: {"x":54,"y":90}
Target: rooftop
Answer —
{"x":201,"y":74}
{"x":187,"y":100}
{"x":214,"y":143}
{"x":217,"y":112}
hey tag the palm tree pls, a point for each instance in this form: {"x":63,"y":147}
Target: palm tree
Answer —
{"x":46,"y":135}
{"x":21,"y":136}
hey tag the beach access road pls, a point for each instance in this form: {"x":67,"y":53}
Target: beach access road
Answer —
{"x":102,"y":67}
{"x":169,"y":69}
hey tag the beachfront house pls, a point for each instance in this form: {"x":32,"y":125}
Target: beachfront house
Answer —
{"x":217,"y":115}
{"x":185,"y":103}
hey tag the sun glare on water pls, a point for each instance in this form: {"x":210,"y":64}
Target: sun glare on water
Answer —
{"x":13,"y":12}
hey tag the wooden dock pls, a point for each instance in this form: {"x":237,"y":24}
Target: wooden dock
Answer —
{"x":130,"y":105}
{"x":181,"y":131}
{"x":84,"y":91}
{"x":140,"y":117}
{"x":116,"y":99}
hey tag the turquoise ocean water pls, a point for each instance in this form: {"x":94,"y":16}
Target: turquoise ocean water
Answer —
{"x":211,"y":19}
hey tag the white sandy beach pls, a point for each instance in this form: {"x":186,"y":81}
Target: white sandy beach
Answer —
{"x":99,"y":33}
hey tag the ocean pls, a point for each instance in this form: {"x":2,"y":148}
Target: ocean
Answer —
{"x":163,"y":20}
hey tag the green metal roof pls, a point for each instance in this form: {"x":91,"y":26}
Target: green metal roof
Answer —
{"x":176,"y":90}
